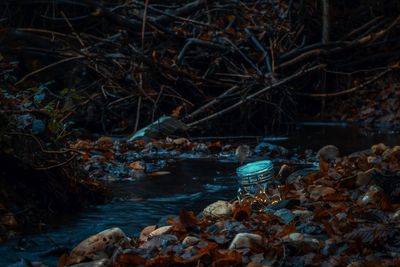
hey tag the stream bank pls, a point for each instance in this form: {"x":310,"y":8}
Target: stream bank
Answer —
{"x":190,"y":186}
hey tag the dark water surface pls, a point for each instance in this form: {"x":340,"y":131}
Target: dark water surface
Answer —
{"x":192,"y":185}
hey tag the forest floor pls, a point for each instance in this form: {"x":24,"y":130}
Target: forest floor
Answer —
{"x":345,"y":214}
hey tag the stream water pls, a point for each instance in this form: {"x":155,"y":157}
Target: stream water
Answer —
{"x":192,"y":185}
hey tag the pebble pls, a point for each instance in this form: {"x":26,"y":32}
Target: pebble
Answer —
{"x":286,"y":215}
{"x":219,"y":209}
{"x":303,"y":242}
{"x":378,"y":149}
{"x":303,"y":213}
{"x":160,"y":231}
{"x":190,"y":241}
{"x":246,"y":240}
{"x":145,"y":233}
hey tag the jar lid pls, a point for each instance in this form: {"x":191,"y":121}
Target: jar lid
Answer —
{"x":255,"y":168}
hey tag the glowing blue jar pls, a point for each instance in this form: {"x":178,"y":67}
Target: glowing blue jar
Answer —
{"x":255,"y":182}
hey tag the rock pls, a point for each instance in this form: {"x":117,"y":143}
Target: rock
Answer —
{"x":246,"y":240}
{"x":378,"y":149}
{"x":286,"y":215}
{"x":328,"y":154}
{"x":201,"y":147}
{"x":303,"y":213}
{"x":160,"y":231}
{"x":284,"y":172}
{"x":138,"y":165}
{"x":392,"y":153}
{"x":98,"y":246}
{"x":374,"y":159}
{"x":98,"y":263}
{"x":375,"y":195}
{"x":181,"y":141}
{"x":396,"y":216}
{"x":242,"y":152}
{"x":159,"y":242}
{"x":145,"y":233}
{"x":303,"y":242}
{"x":318,"y":192}
{"x":219,"y":209}
{"x":190,"y":241}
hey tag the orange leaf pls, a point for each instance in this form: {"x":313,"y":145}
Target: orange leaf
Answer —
{"x":63,"y":260}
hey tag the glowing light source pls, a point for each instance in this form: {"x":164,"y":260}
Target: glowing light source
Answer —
{"x":255,"y":181}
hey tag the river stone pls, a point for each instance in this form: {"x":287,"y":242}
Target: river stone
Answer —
{"x":328,"y":153}
{"x":303,"y":213}
{"x":246,"y":240}
{"x":378,"y":149}
{"x":190,"y":241}
{"x":160,"y":231}
{"x":98,"y":263}
{"x":286,"y":215}
{"x":303,"y":242}
{"x":219,"y":209}
{"x":98,"y":246}
{"x":144,"y":234}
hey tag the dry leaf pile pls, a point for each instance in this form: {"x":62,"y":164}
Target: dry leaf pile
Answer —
{"x":347,"y":215}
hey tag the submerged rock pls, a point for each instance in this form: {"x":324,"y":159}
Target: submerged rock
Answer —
{"x":98,"y":246}
{"x":219,"y":209}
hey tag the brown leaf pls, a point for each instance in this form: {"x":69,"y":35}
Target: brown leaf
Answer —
{"x":187,"y":218}
{"x":127,"y":260}
{"x":323,"y":167}
{"x":226,"y":258}
{"x":241,"y":212}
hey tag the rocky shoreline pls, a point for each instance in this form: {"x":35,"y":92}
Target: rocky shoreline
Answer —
{"x":346,"y":215}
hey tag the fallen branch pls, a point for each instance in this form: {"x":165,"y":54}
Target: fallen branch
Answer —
{"x":353,"y":89}
{"x":265,"y":89}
